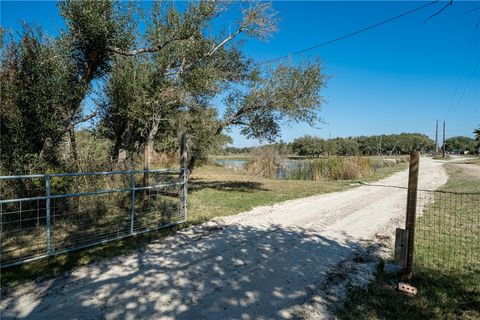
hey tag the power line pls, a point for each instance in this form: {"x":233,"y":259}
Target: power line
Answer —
{"x":439,"y":11}
{"x":466,"y":87}
{"x":351,"y":34}
{"x":457,"y":86}
{"x":471,"y":10}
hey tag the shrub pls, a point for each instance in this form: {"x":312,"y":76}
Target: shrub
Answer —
{"x":264,"y":162}
{"x":337,"y":168}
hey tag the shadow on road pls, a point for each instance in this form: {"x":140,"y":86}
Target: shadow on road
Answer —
{"x":241,"y":186}
{"x":237,"y":272}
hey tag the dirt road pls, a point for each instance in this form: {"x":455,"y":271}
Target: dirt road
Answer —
{"x":263,"y":264}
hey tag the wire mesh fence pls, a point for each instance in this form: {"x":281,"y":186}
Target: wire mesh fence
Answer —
{"x":447,"y":233}
{"x":43,"y":215}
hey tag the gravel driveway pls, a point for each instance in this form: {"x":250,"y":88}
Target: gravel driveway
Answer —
{"x":263,"y":264}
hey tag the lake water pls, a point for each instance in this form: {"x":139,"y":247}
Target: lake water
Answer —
{"x":230,"y":163}
{"x":286,"y":165}
{"x":299,"y":169}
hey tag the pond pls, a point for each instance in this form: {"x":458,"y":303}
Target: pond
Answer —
{"x":284,"y":166}
{"x":231,"y":163}
{"x":319,"y":168}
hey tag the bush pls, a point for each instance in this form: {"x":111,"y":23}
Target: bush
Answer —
{"x":337,"y":168}
{"x":264,"y":162}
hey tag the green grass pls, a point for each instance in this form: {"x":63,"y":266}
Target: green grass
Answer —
{"x":213,"y":192}
{"x":447,"y":264}
{"x":216,"y":191}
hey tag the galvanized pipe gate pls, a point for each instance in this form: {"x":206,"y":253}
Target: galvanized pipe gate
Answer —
{"x":66,"y":225}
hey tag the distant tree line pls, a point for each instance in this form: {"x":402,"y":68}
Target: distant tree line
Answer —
{"x":363,"y":145}
{"x":392,"y":144}
{"x":461,"y":145}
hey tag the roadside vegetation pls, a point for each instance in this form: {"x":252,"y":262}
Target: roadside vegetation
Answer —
{"x":448,"y":283}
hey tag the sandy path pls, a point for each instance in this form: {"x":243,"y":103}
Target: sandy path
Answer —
{"x":260,"y":264}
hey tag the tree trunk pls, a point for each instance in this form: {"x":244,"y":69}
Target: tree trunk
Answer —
{"x":73,"y":145}
{"x":147,"y":154}
{"x":191,"y":164}
{"x":115,"y":152}
{"x":151,"y":140}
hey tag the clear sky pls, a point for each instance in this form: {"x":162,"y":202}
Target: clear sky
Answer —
{"x":398,"y":77}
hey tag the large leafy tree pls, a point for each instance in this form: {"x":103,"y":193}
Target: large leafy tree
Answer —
{"x":186,"y":76}
{"x":39,"y":89}
{"x":160,"y":82}
{"x":45,"y":81}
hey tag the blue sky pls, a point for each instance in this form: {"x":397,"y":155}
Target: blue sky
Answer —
{"x":399,"y":77}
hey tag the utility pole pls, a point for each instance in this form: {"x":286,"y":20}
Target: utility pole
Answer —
{"x":436,"y":139}
{"x":443,"y":145}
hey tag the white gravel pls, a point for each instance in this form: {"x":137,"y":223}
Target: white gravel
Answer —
{"x":271,"y":262}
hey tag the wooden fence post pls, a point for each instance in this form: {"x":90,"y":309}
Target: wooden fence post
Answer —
{"x":411,"y":208}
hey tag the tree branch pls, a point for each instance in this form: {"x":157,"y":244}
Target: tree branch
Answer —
{"x":221,"y":44}
{"x":233,"y":119}
{"x":224,"y":42}
{"x":84,"y":119}
{"x":157,"y":48}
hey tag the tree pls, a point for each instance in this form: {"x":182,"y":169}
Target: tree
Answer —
{"x":158,"y":83}
{"x":460,"y":144}
{"x":308,"y":146}
{"x":39,"y":89}
{"x":44,"y":81}
{"x":286,"y":92}
{"x":347,"y":146}
{"x":185,"y":77}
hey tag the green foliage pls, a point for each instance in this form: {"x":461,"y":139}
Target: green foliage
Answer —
{"x":169,"y":92}
{"x":477,"y":134}
{"x":460,"y":144}
{"x":38,"y":81}
{"x":290,"y":93}
{"x":94,"y":27}
{"x":402,"y":143}
{"x":159,"y":81}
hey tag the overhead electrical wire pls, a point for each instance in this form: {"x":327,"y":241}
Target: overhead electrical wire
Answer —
{"x":473,"y":9}
{"x":457,"y":86}
{"x":351,"y":34}
{"x":465,"y":88}
{"x":439,"y":11}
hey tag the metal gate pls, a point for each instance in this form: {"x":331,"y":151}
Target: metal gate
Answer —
{"x":48,"y":214}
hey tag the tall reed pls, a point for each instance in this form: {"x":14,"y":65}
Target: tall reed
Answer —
{"x":336,"y":168}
